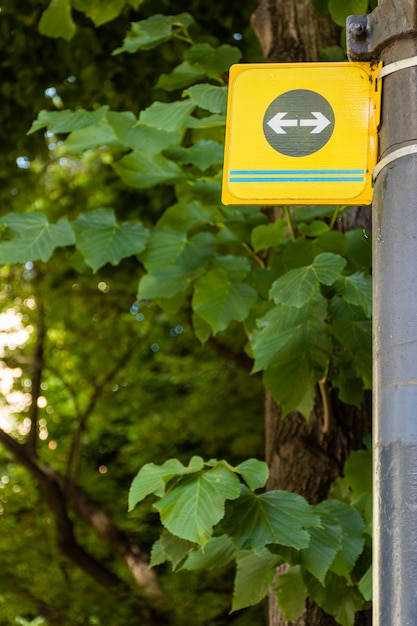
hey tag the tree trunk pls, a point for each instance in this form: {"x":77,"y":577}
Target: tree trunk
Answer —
{"x":302,"y":456}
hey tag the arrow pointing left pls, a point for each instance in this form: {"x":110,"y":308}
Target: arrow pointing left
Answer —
{"x":277,"y":123}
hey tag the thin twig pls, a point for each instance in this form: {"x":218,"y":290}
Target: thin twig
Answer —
{"x":289,"y":222}
{"x":327,"y":408}
{"x":74,"y":454}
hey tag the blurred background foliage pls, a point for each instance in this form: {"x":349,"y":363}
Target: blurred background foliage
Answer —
{"x":122,"y":382}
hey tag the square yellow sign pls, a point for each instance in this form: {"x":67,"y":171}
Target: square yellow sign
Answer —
{"x":301,"y":133}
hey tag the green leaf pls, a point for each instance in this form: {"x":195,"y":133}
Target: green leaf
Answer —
{"x":209,"y":97}
{"x":146,"y":138}
{"x":212,"y":61}
{"x":183,"y":216}
{"x":56,"y":20}
{"x":32,"y":237}
{"x":255,"y":473}
{"x":254,"y":575}
{"x":286,"y":334}
{"x":202,"y":330}
{"x":204,"y":154}
{"x":357,"y":472}
{"x":365,"y":584}
{"x":158,"y":554}
{"x":171,"y":250}
{"x":237,"y":267}
{"x":143,"y":170}
{"x":170,"y":548}
{"x":153,"y":31}
{"x":353,"y":528}
{"x":281,"y":517}
{"x":339,"y":11}
{"x":261,"y":279}
{"x":359,"y":248}
{"x":296,"y":254}
{"x":195,"y":503}
{"x":268,"y":235}
{"x":164,"y":283}
{"x":293,"y":346}
{"x":291,"y":593}
{"x":357,"y":289}
{"x":217,"y":552}
{"x":298,"y":286}
{"x":307,"y":213}
{"x":331,"y":241}
{"x":343,"y":376}
{"x":336,"y":598}
{"x":209,"y":121}
{"x":219,"y":301}
{"x":168,"y":116}
{"x":354,"y":332}
{"x":101,"y":239}
{"x":138,"y":136}
{"x":67,"y":121}
{"x":279,"y":381}
{"x":324,"y":544}
{"x":153,"y":478}
{"x":101,"y":12}
{"x":327,"y":267}
{"x":164,"y":248}
{"x":314,"y":229}
{"x":207,"y":191}
{"x":181,"y":76}
{"x":94,"y":136}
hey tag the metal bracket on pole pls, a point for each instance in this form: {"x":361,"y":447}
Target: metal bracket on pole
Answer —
{"x":389,"y":34}
{"x":367,"y":35}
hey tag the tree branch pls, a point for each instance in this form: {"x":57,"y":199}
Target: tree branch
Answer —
{"x":51,"y":486}
{"x":120,"y":543}
{"x":66,"y":541}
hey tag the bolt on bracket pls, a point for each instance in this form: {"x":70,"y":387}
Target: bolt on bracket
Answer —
{"x":367,"y":35}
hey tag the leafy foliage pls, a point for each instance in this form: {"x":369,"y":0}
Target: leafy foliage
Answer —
{"x":320,"y":543}
{"x":296,"y":293}
{"x":316,"y":283}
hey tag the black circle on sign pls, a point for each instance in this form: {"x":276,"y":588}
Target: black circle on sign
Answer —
{"x":298,"y":122}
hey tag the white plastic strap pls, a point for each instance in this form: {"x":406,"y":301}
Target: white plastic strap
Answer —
{"x":406,"y":150}
{"x":393,"y":156}
{"x":398,"y":65}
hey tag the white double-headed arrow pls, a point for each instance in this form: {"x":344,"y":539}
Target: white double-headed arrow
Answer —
{"x":319,"y":123}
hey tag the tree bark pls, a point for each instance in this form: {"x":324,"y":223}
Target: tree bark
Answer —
{"x":304,"y":457}
{"x":291,"y":31}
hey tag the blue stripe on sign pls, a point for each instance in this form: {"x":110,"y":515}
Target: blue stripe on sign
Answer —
{"x":256,"y":172}
{"x":296,"y":176}
{"x":304,"y":179}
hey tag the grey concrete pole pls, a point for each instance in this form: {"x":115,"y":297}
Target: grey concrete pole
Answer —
{"x":390,"y":34}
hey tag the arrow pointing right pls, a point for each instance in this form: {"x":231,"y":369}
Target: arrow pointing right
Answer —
{"x":277,"y":123}
{"x":319,"y":123}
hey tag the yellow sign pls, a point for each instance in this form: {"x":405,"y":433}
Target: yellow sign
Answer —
{"x":301,"y":133}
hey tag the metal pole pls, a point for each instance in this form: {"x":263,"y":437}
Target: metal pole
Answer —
{"x":390,"y":34}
